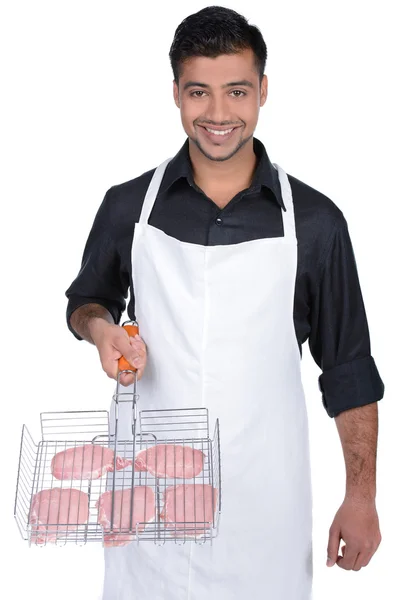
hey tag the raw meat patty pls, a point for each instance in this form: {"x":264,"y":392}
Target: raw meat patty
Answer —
{"x":169,"y":460}
{"x":85,"y":462}
{"x":143,"y":511}
{"x":190,"y":503}
{"x":57,"y":506}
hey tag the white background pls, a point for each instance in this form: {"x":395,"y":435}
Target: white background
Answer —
{"x":86,"y":104}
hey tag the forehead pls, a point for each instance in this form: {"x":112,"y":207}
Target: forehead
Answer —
{"x":215,"y":71}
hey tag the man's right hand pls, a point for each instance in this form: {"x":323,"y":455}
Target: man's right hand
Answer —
{"x":112,"y":342}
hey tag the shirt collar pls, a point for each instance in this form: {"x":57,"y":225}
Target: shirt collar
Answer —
{"x":265,"y":175}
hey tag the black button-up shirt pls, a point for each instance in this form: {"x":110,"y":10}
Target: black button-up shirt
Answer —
{"x":328,"y":308}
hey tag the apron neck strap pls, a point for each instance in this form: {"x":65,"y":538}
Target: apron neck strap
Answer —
{"x":152,"y":191}
{"x":289,"y":226}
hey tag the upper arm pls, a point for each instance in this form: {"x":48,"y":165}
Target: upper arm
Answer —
{"x":339,"y":339}
{"x":100,"y":278}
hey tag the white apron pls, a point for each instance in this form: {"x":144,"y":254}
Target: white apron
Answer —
{"x":219,"y":329}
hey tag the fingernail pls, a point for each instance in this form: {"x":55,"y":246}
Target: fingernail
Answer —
{"x":329,"y":562}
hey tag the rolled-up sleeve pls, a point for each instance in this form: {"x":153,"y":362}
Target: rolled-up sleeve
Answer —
{"x":339,"y":339}
{"x":100,"y":279}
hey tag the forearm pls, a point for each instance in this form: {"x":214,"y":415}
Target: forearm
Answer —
{"x":358,"y":431}
{"x":87,"y":317}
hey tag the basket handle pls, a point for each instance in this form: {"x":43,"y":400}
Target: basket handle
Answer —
{"x":132,"y":328}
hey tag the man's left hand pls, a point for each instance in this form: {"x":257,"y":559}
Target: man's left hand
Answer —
{"x":357,"y":524}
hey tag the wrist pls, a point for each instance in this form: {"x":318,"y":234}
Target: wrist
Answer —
{"x":96,"y":327}
{"x":361,"y":494}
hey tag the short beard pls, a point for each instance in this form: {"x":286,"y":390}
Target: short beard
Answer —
{"x":240,"y":144}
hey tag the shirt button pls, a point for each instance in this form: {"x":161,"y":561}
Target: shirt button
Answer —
{"x":218,"y":221}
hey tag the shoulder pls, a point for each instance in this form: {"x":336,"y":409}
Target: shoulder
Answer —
{"x":123,"y":202}
{"x":131,"y":192}
{"x":319,"y":221}
{"x":313,"y":205}
{"x":317,"y":215}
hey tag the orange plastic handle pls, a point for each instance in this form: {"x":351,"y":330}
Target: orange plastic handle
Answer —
{"x":123,"y":364}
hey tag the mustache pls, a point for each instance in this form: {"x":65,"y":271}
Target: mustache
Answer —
{"x":219,"y":124}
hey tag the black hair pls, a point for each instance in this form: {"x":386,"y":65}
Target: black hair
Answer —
{"x":213,"y":31}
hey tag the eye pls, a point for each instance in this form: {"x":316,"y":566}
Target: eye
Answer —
{"x":201,"y":92}
{"x":240,"y":92}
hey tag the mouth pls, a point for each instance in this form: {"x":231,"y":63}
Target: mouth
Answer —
{"x":218,"y":134}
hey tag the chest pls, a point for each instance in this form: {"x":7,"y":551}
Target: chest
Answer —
{"x":222,"y":197}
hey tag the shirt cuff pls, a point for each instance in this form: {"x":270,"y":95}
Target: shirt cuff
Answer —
{"x":76,"y":302}
{"x":349,"y":385}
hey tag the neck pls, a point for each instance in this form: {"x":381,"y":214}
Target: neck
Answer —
{"x":235,"y":172}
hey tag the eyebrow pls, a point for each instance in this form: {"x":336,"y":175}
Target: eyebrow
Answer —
{"x":244,"y":82}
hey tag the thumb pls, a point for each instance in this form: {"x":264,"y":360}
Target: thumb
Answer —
{"x":333,"y":546}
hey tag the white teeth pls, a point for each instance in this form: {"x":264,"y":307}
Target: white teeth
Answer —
{"x":219,"y":132}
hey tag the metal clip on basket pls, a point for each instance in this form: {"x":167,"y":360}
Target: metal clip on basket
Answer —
{"x":83,"y":483}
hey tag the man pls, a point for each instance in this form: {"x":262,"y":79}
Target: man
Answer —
{"x":232,"y":264}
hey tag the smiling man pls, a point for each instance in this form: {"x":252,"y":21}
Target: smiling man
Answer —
{"x":232,"y":264}
{"x":221,"y":150}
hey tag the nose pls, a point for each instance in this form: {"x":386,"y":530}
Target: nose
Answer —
{"x":218,"y":111}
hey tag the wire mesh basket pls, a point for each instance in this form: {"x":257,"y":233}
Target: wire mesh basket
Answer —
{"x":81,"y":483}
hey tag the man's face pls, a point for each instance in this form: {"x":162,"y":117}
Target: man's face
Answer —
{"x":205,"y":100}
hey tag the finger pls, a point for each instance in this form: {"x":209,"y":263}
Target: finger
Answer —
{"x":348,"y":559}
{"x":138,"y":345}
{"x":333,"y":546}
{"x":137,"y":365}
{"x":111,"y":368}
{"x":123,"y":345}
{"x":141,"y":358}
{"x":126,"y":379}
{"x":366,"y":558}
{"x":361,"y":561}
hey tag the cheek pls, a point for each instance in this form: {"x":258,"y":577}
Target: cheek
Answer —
{"x":189,"y":112}
{"x":249,"y":111}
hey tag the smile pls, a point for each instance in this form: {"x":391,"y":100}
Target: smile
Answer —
{"x":222,"y":132}
{"x":218,"y":135}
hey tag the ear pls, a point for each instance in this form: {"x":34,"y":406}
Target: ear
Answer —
{"x":176,"y":93}
{"x":263,"y":90}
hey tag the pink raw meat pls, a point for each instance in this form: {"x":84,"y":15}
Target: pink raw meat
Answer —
{"x":189,"y":504}
{"x":66,"y":507}
{"x":143,"y":512}
{"x":85,"y":462}
{"x":170,"y":460}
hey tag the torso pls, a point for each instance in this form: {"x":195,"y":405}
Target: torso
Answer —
{"x":222,"y":196}
{"x":221,"y":199}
